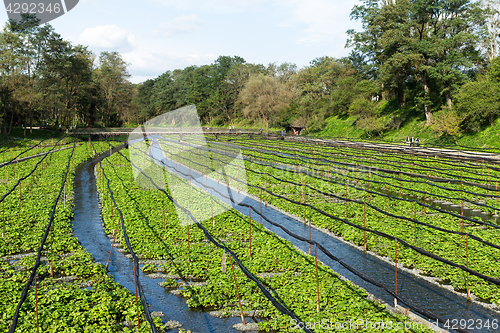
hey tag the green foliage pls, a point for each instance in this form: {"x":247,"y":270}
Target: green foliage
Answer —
{"x":447,"y":122}
{"x":423,"y":46}
{"x":263,"y":97}
{"x":479,"y":101}
{"x":293,"y":278}
{"x":48,"y":81}
{"x":62,"y":306}
{"x":323,"y":178}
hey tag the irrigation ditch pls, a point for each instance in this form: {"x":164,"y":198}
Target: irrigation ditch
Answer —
{"x":425,"y":291}
{"x":164,"y":303}
{"x":422,"y":290}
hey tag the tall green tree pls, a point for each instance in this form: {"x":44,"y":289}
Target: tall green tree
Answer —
{"x":434,"y":41}
{"x":112,"y":76}
{"x":325,"y":88}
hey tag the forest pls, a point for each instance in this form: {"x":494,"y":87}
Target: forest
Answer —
{"x":436,"y":60}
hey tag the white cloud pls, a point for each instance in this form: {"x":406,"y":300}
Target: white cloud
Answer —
{"x":326,"y":20}
{"x":146,"y":65}
{"x":181,"y":24}
{"x":108,"y":38}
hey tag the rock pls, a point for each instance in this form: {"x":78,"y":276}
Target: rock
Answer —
{"x":271,"y":274}
{"x":128,"y":323}
{"x":18,"y":256}
{"x":157,"y":314}
{"x":233,"y":313}
{"x":192,"y":284}
{"x":156,"y":276}
{"x":171,"y":324}
{"x":178,"y":277}
{"x":176,"y":292}
{"x":153,"y":262}
{"x":246,"y":328}
{"x":85,"y":284}
{"x":68,"y":278}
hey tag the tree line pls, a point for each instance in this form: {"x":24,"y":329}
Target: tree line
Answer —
{"x":434,"y":59}
{"x":47,"y":81}
{"x":411,"y":58}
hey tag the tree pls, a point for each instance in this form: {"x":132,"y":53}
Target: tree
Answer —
{"x":223,"y":98}
{"x":263,"y":97}
{"x":448,"y":122}
{"x":10,"y":74}
{"x":325,"y":88}
{"x":112,"y":76}
{"x":479,"y":101}
{"x":434,"y":41}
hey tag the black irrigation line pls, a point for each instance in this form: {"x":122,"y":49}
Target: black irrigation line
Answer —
{"x":363,"y":276}
{"x":21,"y":153}
{"x":371,"y":206}
{"x":280,"y":307}
{"x":398,"y":156}
{"x":29,"y":174}
{"x":8,"y":139}
{"x":37,"y":262}
{"x":305,"y":144}
{"x":307,"y":159}
{"x":362,"y":169}
{"x":407,"y":161}
{"x":381,"y":194}
{"x":415,"y":248}
{"x":388,"y":145}
{"x":398,"y":143}
{"x":387,"y":213}
{"x":144,"y":302}
{"x":411,"y":161}
{"x":427,"y":159}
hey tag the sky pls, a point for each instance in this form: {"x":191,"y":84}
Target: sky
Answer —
{"x":154,"y":36}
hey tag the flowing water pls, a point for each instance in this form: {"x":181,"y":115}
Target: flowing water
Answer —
{"x":88,"y":229}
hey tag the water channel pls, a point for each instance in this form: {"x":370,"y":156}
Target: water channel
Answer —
{"x":88,"y":229}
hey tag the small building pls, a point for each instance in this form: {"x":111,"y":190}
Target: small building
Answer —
{"x":295,"y":128}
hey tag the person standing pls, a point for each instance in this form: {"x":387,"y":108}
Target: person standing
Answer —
{"x":408,"y":141}
{"x":412,"y":142}
{"x":417,"y":141}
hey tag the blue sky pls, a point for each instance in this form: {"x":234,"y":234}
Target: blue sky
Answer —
{"x":154,"y":36}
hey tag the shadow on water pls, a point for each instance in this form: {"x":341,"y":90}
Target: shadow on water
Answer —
{"x":89,"y":231}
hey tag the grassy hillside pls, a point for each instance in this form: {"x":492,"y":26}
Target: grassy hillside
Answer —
{"x":414,"y":126}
